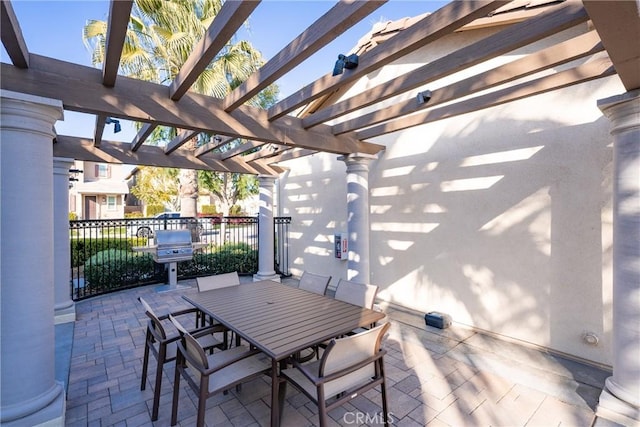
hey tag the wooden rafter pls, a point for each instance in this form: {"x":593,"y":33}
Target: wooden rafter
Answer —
{"x":145,"y":131}
{"x":119,"y":14}
{"x":236,"y":151}
{"x":99,"y":129}
{"x":619,"y":29}
{"x":583,"y":73}
{"x":509,"y":39}
{"x":231,"y":16}
{"x":444,"y":21}
{"x":182,"y":138}
{"x":215,"y":142}
{"x":295,"y":153}
{"x":577,"y":47}
{"x":337,"y":20}
{"x":11,"y":35}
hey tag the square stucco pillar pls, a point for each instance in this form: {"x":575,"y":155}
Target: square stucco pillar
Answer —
{"x":29,"y":393}
{"x":620,"y":400}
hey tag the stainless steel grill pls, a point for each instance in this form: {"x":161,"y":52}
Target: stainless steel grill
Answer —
{"x":173,"y":246}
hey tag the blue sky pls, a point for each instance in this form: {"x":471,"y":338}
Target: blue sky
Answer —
{"x":54,"y":28}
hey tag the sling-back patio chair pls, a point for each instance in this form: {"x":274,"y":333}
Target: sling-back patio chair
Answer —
{"x":314,"y":283}
{"x":348,"y":367}
{"x":354,"y":293}
{"x":215,"y":281}
{"x":210,"y":374}
{"x":317,"y":284}
{"x":161,"y":342}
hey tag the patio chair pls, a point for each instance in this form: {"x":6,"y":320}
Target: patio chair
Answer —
{"x":208,"y":375}
{"x":348,"y":367}
{"x":215,"y":281}
{"x":314,"y":283}
{"x":356,"y":293}
{"x":162,"y":345}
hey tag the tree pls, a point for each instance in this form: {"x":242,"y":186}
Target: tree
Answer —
{"x":160,"y":37}
{"x":156,"y":186}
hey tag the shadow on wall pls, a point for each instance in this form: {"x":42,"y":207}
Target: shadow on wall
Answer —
{"x":503,"y":233}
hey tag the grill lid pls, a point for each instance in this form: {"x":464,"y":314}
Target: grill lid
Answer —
{"x":173,"y":238}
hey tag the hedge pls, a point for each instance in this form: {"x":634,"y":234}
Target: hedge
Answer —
{"x":83,"y":249}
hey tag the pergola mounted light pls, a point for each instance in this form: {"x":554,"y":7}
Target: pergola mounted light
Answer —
{"x":424,"y":97}
{"x":116,"y":124}
{"x":349,"y":62}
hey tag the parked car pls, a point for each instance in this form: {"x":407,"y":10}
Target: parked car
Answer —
{"x":168,"y":221}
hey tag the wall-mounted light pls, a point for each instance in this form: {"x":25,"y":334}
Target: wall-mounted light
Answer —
{"x":116,"y":124}
{"x":424,"y":97}
{"x":349,"y":62}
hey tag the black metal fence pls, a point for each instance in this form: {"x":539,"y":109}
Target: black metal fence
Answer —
{"x":109,"y":255}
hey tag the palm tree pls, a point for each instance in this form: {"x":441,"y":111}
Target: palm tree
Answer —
{"x":160,"y":37}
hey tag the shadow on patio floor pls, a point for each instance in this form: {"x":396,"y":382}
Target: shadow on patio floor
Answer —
{"x":451,"y":377}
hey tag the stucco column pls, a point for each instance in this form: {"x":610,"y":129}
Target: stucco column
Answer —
{"x":29,"y":394}
{"x":358,"y":267}
{"x":265,"y":231}
{"x":65,"y":310}
{"x":620,"y":400}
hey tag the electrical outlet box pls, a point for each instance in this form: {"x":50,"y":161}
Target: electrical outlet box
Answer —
{"x":437,"y":320}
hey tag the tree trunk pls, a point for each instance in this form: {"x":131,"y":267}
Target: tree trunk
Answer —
{"x":188,"y":191}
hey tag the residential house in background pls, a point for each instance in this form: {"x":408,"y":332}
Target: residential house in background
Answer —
{"x":99,"y":191}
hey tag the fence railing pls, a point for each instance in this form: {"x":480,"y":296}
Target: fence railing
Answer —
{"x":103,"y":258}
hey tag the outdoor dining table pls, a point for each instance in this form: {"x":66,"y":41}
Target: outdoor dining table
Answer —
{"x":280,"y":321}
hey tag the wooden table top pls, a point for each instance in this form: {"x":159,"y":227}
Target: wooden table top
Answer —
{"x":281,"y":320}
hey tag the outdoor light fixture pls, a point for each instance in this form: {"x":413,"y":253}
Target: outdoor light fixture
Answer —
{"x":349,"y":62}
{"x":116,"y":124}
{"x":424,"y":97}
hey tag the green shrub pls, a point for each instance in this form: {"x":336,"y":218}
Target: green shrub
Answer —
{"x":73,"y":216}
{"x":116,"y":268}
{"x":133,"y":215}
{"x":83,"y":249}
{"x":231,"y":257}
{"x":208,"y":209}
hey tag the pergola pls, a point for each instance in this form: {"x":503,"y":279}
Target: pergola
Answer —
{"x":317,"y":118}
{"x":282,"y":136}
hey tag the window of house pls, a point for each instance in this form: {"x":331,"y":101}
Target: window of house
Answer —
{"x":111,"y":203}
{"x":102,"y":171}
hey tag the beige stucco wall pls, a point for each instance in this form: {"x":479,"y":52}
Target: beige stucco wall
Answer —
{"x":500,"y":218}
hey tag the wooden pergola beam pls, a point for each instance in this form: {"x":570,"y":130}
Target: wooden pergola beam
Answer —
{"x":507,"y":40}
{"x":231,"y":16}
{"x":119,"y":14}
{"x":575,"y":48}
{"x":443,"y":21}
{"x":333,"y":23}
{"x":12,"y":37}
{"x":146,"y":102}
{"x":147,"y":155}
{"x":583,"y":73}
{"x":619,"y":29}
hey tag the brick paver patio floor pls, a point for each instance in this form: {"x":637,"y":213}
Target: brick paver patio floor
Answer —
{"x":451,"y":377}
